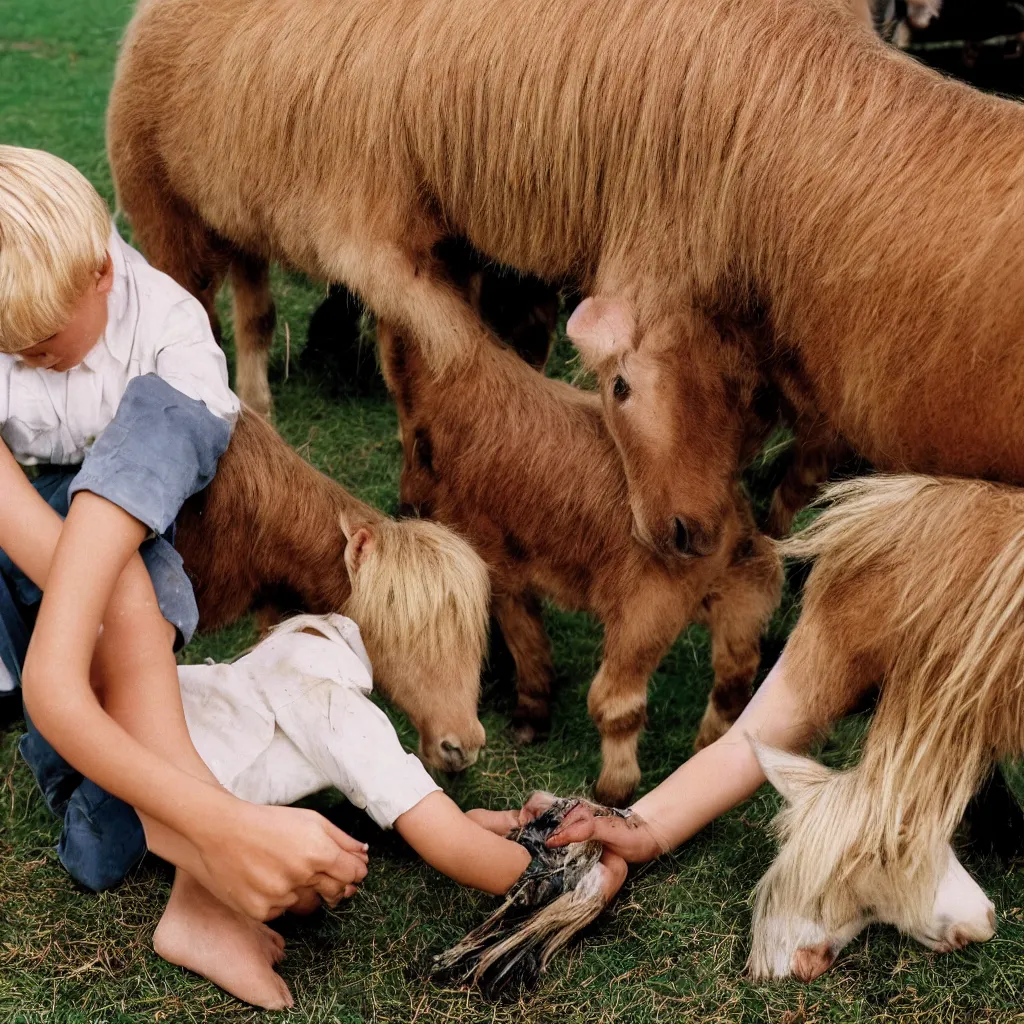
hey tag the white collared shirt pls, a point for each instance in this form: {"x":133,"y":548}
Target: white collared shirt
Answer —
{"x":294,"y":716}
{"x":153,"y":326}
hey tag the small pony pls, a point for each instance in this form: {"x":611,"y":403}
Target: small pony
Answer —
{"x":918,"y":584}
{"x":524,"y":467}
{"x":273,"y":534}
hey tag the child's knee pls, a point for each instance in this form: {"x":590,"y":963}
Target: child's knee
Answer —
{"x":102,"y":839}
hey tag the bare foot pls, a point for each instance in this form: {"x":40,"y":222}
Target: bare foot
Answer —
{"x":199,"y":932}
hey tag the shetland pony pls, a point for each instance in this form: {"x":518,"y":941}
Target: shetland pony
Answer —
{"x":271,"y":533}
{"x":918,"y":584}
{"x":522,"y":466}
{"x":758,"y":190}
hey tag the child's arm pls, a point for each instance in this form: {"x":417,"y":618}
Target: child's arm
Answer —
{"x":467,"y":850}
{"x":710,"y":783}
{"x":256,"y":859}
{"x":455,"y":845}
{"x":30,"y":532}
{"x":29,"y":528}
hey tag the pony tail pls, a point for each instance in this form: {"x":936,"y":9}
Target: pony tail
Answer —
{"x":847,"y":529}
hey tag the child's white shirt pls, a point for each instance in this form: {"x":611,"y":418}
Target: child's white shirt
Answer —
{"x":294,"y":716}
{"x":153,"y":326}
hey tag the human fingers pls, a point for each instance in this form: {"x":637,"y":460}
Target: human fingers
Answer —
{"x":535,"y":806}
{"x":308,"y":901}
{"x":331,"y":891}
{"x":578,"y":825}
{"x":347,"y":869}
{"x":346,"y":842}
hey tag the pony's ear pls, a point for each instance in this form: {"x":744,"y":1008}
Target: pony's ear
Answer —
{"x":793,"y":776}
{"x":360,"y":544}
{"x":600,"y":327}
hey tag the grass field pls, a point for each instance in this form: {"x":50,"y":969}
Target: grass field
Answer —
{"x":674,"y":946}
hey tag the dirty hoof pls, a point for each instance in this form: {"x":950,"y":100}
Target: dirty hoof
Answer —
{"x":615,"y":794}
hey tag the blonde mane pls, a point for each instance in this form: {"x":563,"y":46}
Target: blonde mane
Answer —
{"x":422,"y":592}
{"x":943,"y":563}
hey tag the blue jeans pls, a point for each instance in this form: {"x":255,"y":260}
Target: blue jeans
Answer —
{"x":102,"y":838}
{"x":161,"y":448}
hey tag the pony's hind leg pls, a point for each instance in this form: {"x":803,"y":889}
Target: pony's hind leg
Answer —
{"x":255,"y":318}
{"x":519,"y":617}
{"x":736,"y":610}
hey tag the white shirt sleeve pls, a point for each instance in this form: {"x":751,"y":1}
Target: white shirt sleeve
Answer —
{"x":192,"y":362}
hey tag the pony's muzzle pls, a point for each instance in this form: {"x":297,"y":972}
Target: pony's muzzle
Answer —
{"x":454,"y":758}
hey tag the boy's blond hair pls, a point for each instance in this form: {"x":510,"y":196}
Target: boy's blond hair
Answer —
{"x":54,"y":229}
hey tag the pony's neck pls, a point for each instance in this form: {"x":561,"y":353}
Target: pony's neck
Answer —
{"x":300,"y":522}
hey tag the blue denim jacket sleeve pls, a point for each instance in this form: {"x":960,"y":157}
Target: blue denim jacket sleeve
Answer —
{"x":160,"y":448}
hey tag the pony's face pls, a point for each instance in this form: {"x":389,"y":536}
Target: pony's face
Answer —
{"x":421,"y":595}
{"x":668,"y":407}
{"x":441,"y":702}
{"x":822,"y":890}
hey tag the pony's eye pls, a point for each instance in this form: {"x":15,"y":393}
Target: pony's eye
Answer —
{"x":620,"y":389}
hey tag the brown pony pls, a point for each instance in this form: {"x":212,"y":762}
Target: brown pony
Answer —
{"x":523,"y":467}
{"x":271,"y":533}
{"x":878,"y":237}
{"x":717,"y":168}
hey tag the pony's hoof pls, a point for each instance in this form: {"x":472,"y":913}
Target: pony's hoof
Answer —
{"x":617,"y":793}
{"x":526,"y":731}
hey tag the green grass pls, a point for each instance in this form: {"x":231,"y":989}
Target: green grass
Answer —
{"x":674,"y":945}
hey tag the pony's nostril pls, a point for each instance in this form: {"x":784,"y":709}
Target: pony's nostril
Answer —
{"x":450,"y":748}
{"x":682,"y":537}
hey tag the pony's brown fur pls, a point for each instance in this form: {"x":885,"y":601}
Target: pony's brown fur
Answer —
{"x":707,"y":162}
{"x":268,"y":531}
{"x":918,"y":584}
{"x":523,"y":467}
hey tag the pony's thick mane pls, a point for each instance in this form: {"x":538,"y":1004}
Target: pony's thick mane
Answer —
{"x":422,"y":591}
{"x":948,"y":556}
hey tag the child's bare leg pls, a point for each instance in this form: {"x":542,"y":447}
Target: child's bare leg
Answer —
{"x":196,"y":930}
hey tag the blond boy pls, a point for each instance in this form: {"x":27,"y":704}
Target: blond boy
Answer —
{"x":109,"y":372}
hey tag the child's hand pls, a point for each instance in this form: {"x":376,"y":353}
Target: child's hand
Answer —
{"x":271,"y":859}
{"x":629,"y":838}
{"x":502,"y":822}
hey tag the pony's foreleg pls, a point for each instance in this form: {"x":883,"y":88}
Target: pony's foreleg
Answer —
{"x":736,"y":612}
{"x":255,"y":318}
{"x":519,"y":617}
{"x":634,"y":644}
